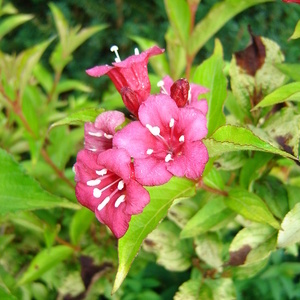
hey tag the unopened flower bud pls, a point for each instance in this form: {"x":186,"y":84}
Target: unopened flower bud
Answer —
{"x":130,"y":100}
{"x":180,"y":91}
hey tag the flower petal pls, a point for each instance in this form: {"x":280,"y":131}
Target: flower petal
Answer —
{"x":193,"y":122}
{"x":99,"y":70}
{"x":192,"y":161}
{"x":151,"y":171}
{"x":158,"y":110}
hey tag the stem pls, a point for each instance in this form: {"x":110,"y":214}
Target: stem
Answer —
{"x":63,"y":242}
{"x":202,"y":185}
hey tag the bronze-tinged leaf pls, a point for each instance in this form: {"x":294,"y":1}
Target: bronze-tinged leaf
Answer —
{"x":238,"y":257}
{"x":253,"y":57}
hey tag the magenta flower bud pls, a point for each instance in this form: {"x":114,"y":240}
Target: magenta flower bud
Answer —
{"x":180,"y":91}
{"x":130,"y":100}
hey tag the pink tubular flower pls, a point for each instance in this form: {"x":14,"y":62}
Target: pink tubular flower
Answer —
{"x":106,"y":186}
{"x":129,"y":76}
{"x":98,"y":135}
{"x":165,"y":142}
{"x":194,"y":91}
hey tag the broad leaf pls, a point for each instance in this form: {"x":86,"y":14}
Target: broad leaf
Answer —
{"x":189,"y":290}
{"x":219,"y":14}
{"x":288,"y":92}
{"x":44,"y":261}
{"x":18,"y":191}
{"x":290,"y":228}
{"x":12,"y":22}
{"x":250,"y":206}
{"x":213,"y":214}
{"x":296,"y":33}
{"x":291,"y":70}
{"x":141,"y":225}
{"x":172,"y":253}
{"x":179,"y":16}
{"x":217,"y":84}
{"x":79,"y":117}
{"x":233,"y":138}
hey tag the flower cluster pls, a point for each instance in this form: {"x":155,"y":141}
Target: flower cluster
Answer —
{"x":162,"y":141}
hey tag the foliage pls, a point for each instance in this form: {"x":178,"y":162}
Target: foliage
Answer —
{"x":234,"y":234}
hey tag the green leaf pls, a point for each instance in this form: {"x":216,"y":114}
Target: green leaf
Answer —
{"x":19,"y":191}
{"x":213,"y":214}
{"x":172,"y":253}
{"x":296,"y":33}
{"x":44,"y":261}
{"x":141,"y":225}
{"x":291,"y":70}
{"x":79,"y":117}
{"x":290,"y":228}
{"x":219,"y":14}
{"x":12,"y":22}
{"x":72,"y":85}
{"x":250,"y":206}
{"x":216,"y":289}
{"x":80,"y":223}
{"x":209,"y":249}
{"x":282,"y":94}
{"x":179,"y":16}
{"x":189,"y":290}
{"x":217,"y":84}
{"x":159,"y":63}
{"x":251,"y":248}
{"x":233,"y":138}
{"x":28,"y":60}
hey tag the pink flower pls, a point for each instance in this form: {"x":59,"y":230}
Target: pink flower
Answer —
{"x":165,"y":142}
{"x":129,"y":76}
{"x":98,"y":135}
{"x":105,"y":185}
{"x":171,"y":88}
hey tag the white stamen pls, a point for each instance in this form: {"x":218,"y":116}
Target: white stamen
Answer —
{"x":155,"y":130}
{"x":120,"y":185}
{"x":103,"y":203}
{"x":149,"y":151}
{"x":161,"y":84}
{"x":136,"y":51}
{"x":189,"y":96}
{"x":92,"y":149}
{"x":171,"y":124}
{"x":119,"y":200}
{"x":98,"y":134}
{"x":108,"y":136}
{"x":101,"y":172}
{"x":97,"y":193}
{"x":93,"y":182}
{"x":168,"y":157}
{"x":115,"y":49}
{"x":73,"y":169}
{"x":181,"y":139}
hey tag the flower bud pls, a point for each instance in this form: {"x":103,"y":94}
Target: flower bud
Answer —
{"x":130,"y":100}
{"x":180,"y":91}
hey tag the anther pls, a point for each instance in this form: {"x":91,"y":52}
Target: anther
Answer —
{"x":97,"y":193}
{"x":171,"y":124}
{"x":103,"y":203}
{"x":115,"y":49}
{"x":168,"y":157}
{"x":93,"y":182}
{"x":181,"y":138}
{"x":108,"y":136}
{"x":101,"y":172}
{"x":155,"y":130}
{"x":119,"y":200}
{"x":120,"y":185}
{"x":149,"y":151}
{"x":97,"y":134}
{"x":161,"y":84}
{"x":136,"y":51}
